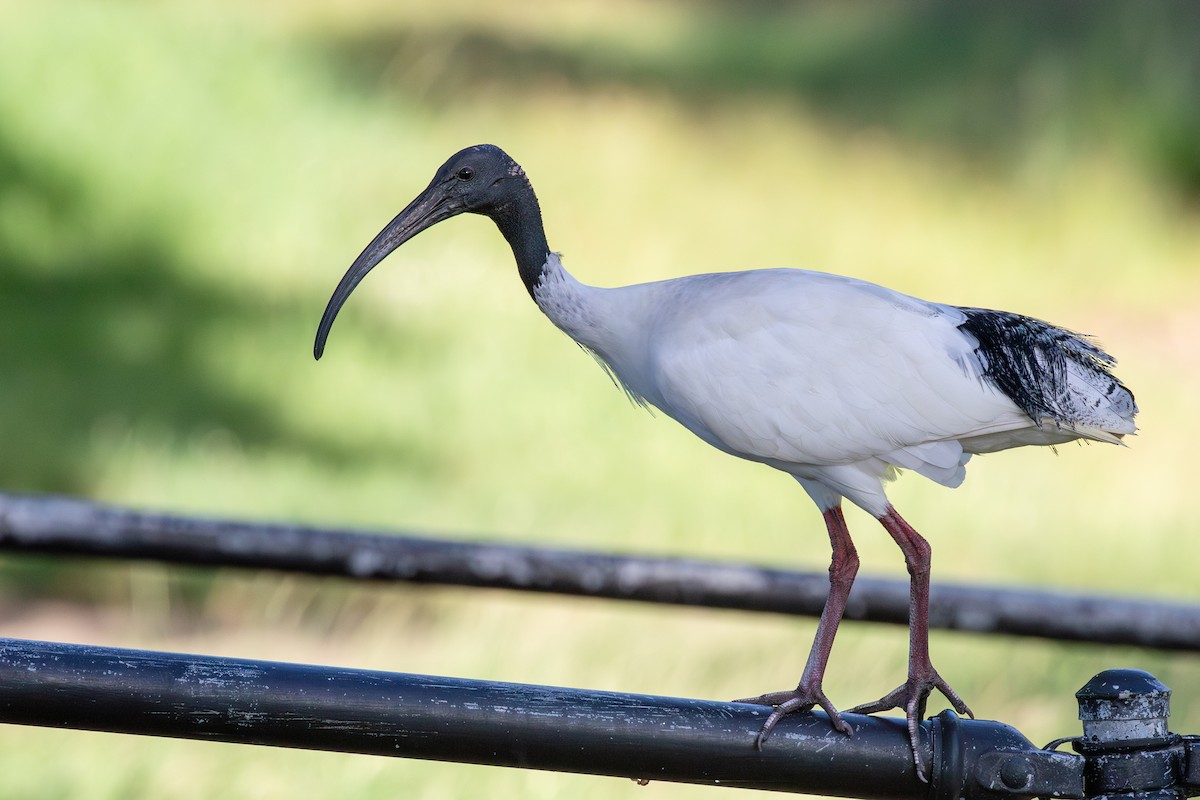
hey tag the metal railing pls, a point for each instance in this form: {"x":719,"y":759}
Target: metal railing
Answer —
{"x":69,"y":526}
{"x":1126,"y":750}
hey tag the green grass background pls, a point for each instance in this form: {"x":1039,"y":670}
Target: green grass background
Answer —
{"x":182,"y":184}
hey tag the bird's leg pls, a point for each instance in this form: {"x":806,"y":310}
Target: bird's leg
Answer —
{"x":922,"y":677}
{"x":842,"y":569}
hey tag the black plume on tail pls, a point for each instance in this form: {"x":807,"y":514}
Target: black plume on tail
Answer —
{"x":1030,"y":361}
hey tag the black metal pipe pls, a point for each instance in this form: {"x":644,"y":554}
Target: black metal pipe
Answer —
{"x":68,"y":526}
{"x":512,"y":725}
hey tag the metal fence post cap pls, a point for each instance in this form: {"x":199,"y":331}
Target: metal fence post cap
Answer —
{"x":1124,"y":704}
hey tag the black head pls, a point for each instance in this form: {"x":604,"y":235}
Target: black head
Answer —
{"x":478,"y":180}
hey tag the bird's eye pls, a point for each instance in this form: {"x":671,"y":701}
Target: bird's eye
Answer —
{"x":466,"y":173}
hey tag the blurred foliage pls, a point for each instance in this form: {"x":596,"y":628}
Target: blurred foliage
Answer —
{"x":182,"y":184}
{"x":993,"y":79}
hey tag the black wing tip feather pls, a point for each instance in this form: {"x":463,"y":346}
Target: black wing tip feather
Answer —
{"x":1026,"y":359}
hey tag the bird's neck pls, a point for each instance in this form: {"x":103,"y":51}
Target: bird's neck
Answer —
{"x":567,"y":302}
{"x":520,"y":220}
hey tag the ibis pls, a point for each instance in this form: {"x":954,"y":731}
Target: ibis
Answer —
{"x":838,"y":382}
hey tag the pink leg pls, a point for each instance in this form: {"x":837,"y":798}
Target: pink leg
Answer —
{"x":842,"y":569}
{"x":922,"y":677}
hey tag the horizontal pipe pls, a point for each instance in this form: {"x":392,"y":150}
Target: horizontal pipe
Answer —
{"x":69,"y":526}
{"x":502,"y":724}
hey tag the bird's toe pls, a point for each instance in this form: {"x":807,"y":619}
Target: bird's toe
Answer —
{"x":912,"y":697}
{"x":904,"y":695}
{"x":769,"y":699}
{"x":788,"y":702}
{"x":955,"y":701}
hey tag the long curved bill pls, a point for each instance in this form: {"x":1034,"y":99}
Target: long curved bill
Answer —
{"x":429,"y":208}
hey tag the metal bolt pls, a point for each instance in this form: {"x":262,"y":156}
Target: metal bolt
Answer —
{"x":1016,"y":773}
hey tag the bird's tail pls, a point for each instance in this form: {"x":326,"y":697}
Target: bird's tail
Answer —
{"x":1057,"y":377}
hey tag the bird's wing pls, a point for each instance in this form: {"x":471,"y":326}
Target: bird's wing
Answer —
{"x":796,"y":367}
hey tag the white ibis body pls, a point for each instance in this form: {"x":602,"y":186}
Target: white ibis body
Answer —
{"x":835,"y":381}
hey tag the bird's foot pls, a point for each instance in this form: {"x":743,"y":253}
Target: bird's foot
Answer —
{"x":912,"y":697}
{"x":798,"y":699}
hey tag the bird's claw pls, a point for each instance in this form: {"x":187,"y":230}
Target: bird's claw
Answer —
{"x":797,"y":699}
{"x":912,"y":697}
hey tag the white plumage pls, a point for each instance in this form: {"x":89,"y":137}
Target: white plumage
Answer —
{"x":835,"y":381}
